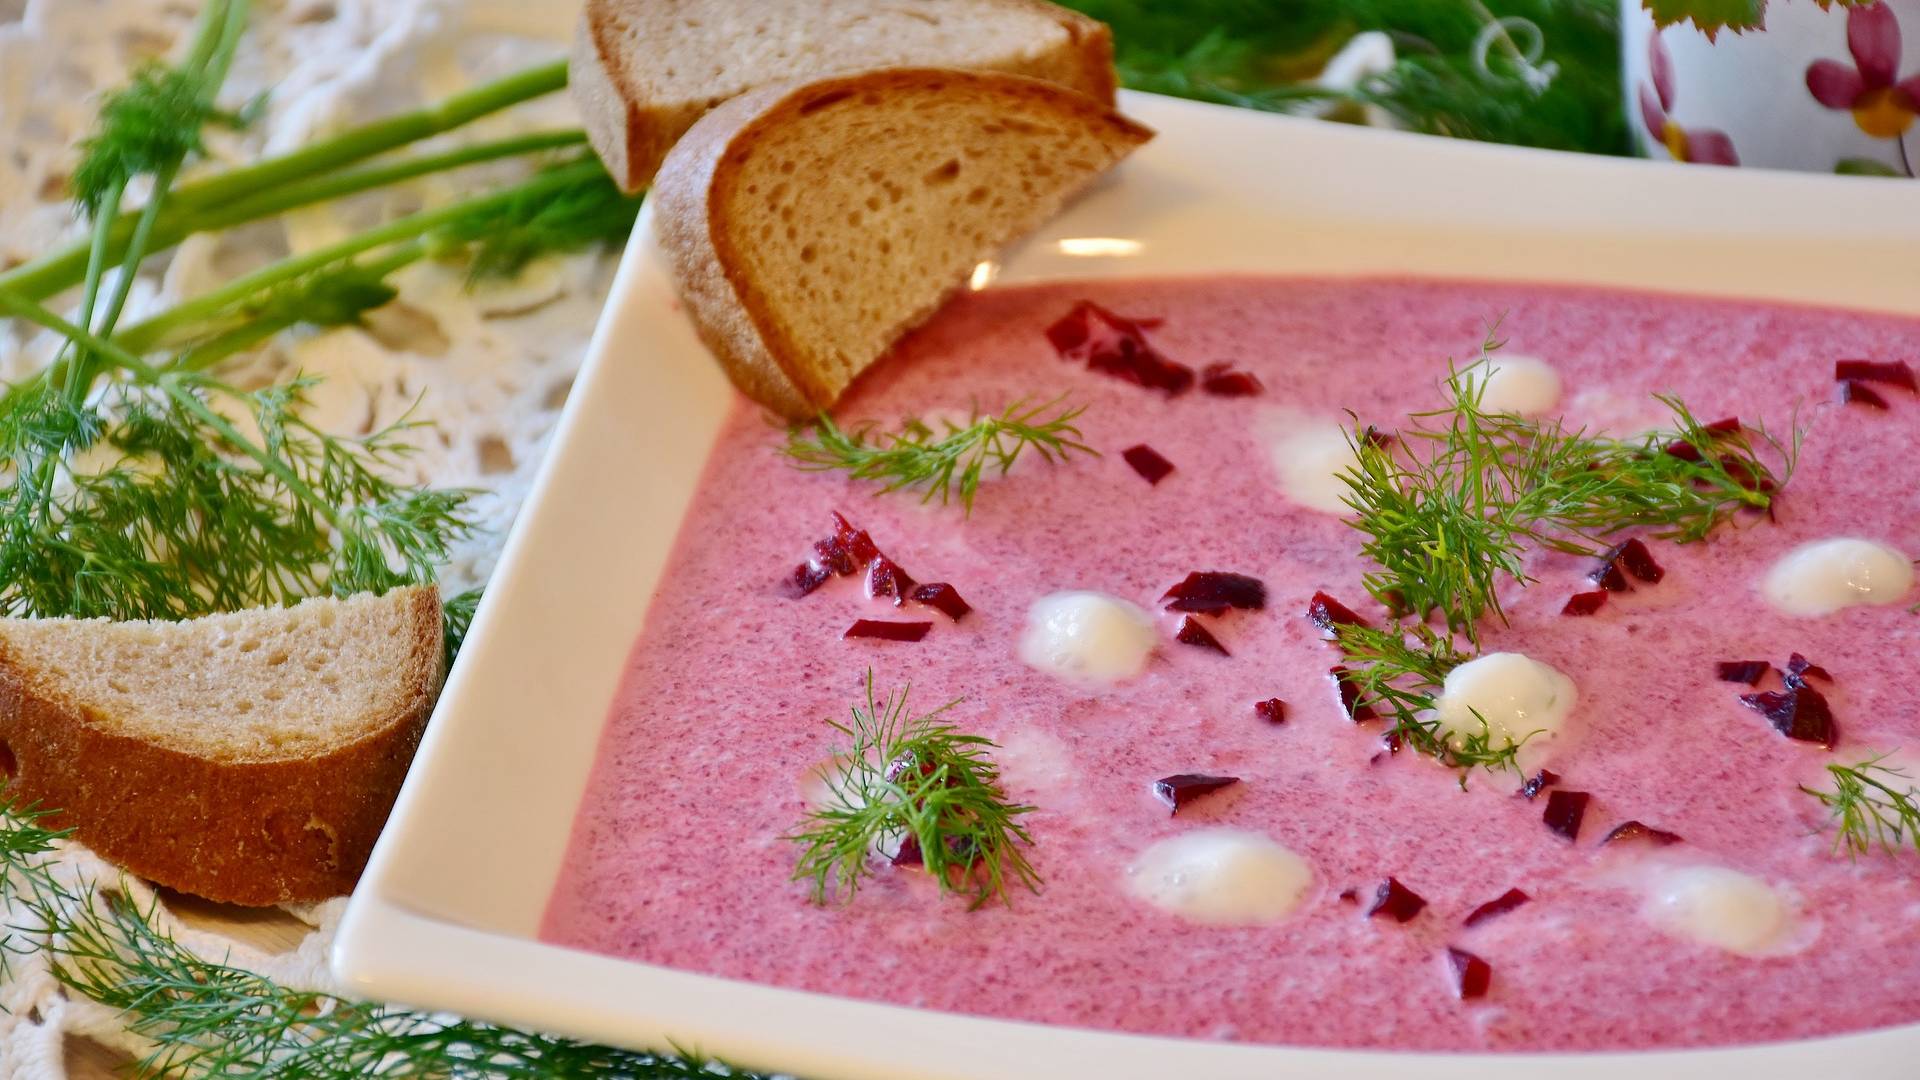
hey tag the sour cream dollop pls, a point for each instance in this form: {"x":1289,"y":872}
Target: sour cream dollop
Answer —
{"x":1514,"y":694}
{"x":1826,"y":576}
{"x":1087,"y":635}
{"x":1221,"y":877}
{"x":1719,"y":907}
{"x":1310,"y":454}
{"x":1511,"y":383}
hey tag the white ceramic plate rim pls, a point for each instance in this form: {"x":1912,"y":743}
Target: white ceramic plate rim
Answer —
{"x":447,"y":914}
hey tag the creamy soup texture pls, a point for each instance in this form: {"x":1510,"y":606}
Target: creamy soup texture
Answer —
{"x":1243,"y":916}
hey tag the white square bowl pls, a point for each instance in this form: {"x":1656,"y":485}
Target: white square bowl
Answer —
{"x":448,"y":912}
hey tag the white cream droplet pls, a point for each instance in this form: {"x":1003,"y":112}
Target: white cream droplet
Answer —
{"x":1826,"y":576}
{"x":1515,"y":696}
{"x":1719,"y":907}
{"x":1511,"y":383}
{"x":1087,"y":635}
{"x":1310,"y":455}
{"x":1220,"y":877}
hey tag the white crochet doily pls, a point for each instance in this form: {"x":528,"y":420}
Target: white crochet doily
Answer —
{"x":489,"y":368}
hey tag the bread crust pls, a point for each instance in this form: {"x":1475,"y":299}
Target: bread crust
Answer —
{"x":695,"y":232}
{"x":633,"y":134}
{"x":253,"y":833}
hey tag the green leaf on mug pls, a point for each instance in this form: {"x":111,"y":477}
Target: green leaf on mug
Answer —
{"x":1711,"y":16}
{"x":1864,"y":166}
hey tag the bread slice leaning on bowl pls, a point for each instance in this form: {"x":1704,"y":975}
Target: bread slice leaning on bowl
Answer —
{"x":643,"y":71}
{"x":810,"y":226}
{"x":250,"y":758}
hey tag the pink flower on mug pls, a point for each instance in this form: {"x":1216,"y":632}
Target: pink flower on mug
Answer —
{"x":1882,"y":107}
{"x":1701,"y":146}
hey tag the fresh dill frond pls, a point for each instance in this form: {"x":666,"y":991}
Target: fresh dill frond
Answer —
{"x":590,"y":211}
{"x":1452,"y":505}
{"x":208,"y":1020}
{"x":1399,"y":671}
{"x":457,"y":617}
{"x":1873,"y":805}
{"x":939,"y":462}
{"x":913,"y":779}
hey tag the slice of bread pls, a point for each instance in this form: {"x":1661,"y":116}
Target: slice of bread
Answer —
{"x":644,"y":70}
{"x":809,"y":227}
{"x":248,"y":758}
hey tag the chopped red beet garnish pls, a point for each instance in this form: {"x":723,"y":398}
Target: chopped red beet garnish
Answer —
{"x":887,"y":631}
{"x":1859,"y":393}
{"x":858,"y":545}
{"x":1800,"y":669}
{"x":909,"y":853}
{"x":1741,"y":473}
{"x":885,"y":578}
{"x":1471,"y":975}
{"x":1147,"y":462}
{"x":1349,"y":896}
{"x":1192,"y":632}
{"x":1635,"y":830}
{"x":1211,"y":592}
{"x":1564,"y":811}
{"x":1609,"y":577}
{"x":1499,"y":905}
{"x":944,"y":598}
{"x":1373,"y":436}
{"x":1116,"y":346}
{"x":1892,"y":372}
{"x":1357,"y":711}
{"x":1177,"y":791}
{"x":1327,"y":613}
{"x":1585,"y":603}
{"x":1538,"y":783}
{"x":1272,"y":710}
{"x":1742,"y":671}
{"x":1726,"y":425}
{"x":1635,"y":559}
{"x":832,"y":555}
{"x":1799,"y":712}
{"x":807,"y":577}
{"x":1686,"y":451}
{"x":1222,"y":381}
{"x":1395,"y":901}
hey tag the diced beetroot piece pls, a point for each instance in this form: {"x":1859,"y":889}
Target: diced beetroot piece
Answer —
{"x":1327,"y":613}
{"x":1116,"y":346}
{"x":886,"y":630}
{"x":1179,"y":790}
{"x":1210,"y":592}
{"x":1538,"y":783}
{"x":885,"y":578}
{"x":1634,"y":830}
{"x":1499,"y":905}
{"x":1686,"y":451}
{"x":1749,"y":672}
{"x":1891,"y":372}
{"x":1636,"y":560}
{"x":1726,"y":425}
{"x":1585,"y":603}
{"x":1859,"y":393}
{"x":805,"y":578}
{"x":1357,"y":711}
{"x":1222,"y":381}
{"x":1800,"y":669}
{"x":1564,"y":811}
{"x":909,"y":853}
{"x":1610,"y":577}
{"x":1373,"y":436}
{"x":1395,"y":901}
{"x":1349,"y":896}
{"x":1471,"y":975}
{"x":833,"y":556}
{"x":1147,"y":462}
{"x":1740,"y":473}
{"x":944,"y":598}
{"x":857,"y":544}
{"x":1800,"y":713}
{"x":1191,"y":632}
{"x":1272,"y":710}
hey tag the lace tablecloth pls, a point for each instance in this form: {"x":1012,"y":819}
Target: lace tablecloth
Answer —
{"x":489,"y":368}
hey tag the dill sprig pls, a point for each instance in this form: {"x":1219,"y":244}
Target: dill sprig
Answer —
{"x":1451,"y":507}
{"x":1398,"y":671}
{"x":211,"y":1020}
{"x":936,"y":462}
{"x":909,"y":778}
{"x":1873,"y":805}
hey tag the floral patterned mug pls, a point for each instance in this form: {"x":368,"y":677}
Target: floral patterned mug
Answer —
{"x":1819,"y":89}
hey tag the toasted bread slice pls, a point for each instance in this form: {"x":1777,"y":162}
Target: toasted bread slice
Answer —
{"x":809,"y":227}
{"x":249,"y":758}
{"x":643,"y":71}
